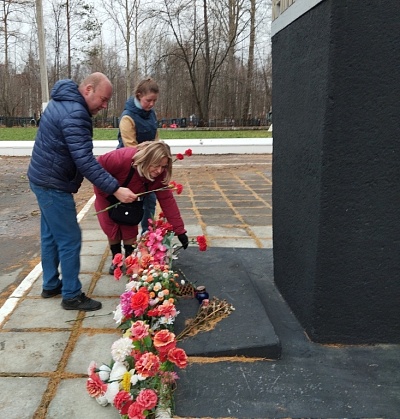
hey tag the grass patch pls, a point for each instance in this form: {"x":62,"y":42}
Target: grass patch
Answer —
{"x":28,"y":134}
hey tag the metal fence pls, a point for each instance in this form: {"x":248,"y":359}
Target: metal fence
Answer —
{"x":191,"y":122}
{"x":9,"y":121}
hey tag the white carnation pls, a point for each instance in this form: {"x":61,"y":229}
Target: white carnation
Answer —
{"x":121,"y":348}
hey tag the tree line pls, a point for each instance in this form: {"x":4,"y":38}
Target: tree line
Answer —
{"x":211,"y":58}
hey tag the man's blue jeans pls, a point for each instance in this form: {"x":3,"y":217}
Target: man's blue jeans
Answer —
{"x":61,"y":240}
{"x":149,"y":207}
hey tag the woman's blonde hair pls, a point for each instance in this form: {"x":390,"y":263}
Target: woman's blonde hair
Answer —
{"x":150,"y":153}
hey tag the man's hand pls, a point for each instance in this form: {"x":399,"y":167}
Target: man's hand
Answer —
{"x":125,"y":195}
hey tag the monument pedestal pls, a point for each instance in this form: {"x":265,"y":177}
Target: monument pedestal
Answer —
{"x":336,"y":170}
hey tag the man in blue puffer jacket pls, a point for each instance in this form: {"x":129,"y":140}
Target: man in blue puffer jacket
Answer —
{"x":62,"y":156}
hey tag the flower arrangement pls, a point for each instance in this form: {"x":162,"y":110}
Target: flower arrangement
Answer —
{"x":140,"y":380}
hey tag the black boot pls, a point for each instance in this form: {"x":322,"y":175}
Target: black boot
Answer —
{"x":128,"y":249}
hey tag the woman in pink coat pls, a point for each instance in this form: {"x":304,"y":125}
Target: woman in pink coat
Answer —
{"x":152,"y":162}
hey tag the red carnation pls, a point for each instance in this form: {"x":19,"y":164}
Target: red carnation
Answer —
{"x":118,"y":273}
{"x":180,"y":156}
{"x":179,"y":188}
{"x":121,"y":399}
{"x":188,"y":152}
{"x":202,"y":242}
{"x":140,"y":302}
{"x":178,"y":357}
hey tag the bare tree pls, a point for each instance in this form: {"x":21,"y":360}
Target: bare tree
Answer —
{"x":211,"y":58}
{"x":11,"y":14}
{"x":250,"y":63}
{"x":58,"y":37}
{"x":204,"y":39}
{"x":128,"y":18}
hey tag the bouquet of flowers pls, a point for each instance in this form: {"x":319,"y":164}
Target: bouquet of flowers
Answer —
{"x":141,"y":377}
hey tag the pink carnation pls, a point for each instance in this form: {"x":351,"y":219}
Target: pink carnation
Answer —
{"x":147,"y":399}
{"x":167,"y":309}
{"x":139,"y":330}
{"x":147,"y":364}
{"x":95,"y":387}
{"x":135,"y":411}
{"x":178,"y":357}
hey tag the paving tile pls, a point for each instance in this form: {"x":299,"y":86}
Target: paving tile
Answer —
{"x":40,"y":313}
{"x":217,"y":231}
{"x":233,"y":242}
{"x":21,"y":391}
{"x":93,"y":234}
{"x":90,"y":221}
{"x":102,"y":319}
{"x":267,"y":244}
{"x":189,"y":218}
{"x":218,"y":219}
{"x":91,"y":347}
{"x":31,"y":352}
{"x":262,"y":231}
{"x":107,"y":286}
{"x":216,"y":205}
{"x":194,"y":230}
{"x":93,"y":247}
{"x":90,"y":263}
{"x":257,"y":220}
{"x":73,"y":402}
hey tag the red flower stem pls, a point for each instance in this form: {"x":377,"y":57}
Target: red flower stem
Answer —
{"x":155,"y":190}
{"x":106,"y":209}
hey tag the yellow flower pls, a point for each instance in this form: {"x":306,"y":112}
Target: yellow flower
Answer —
{"x":126,"y":382}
